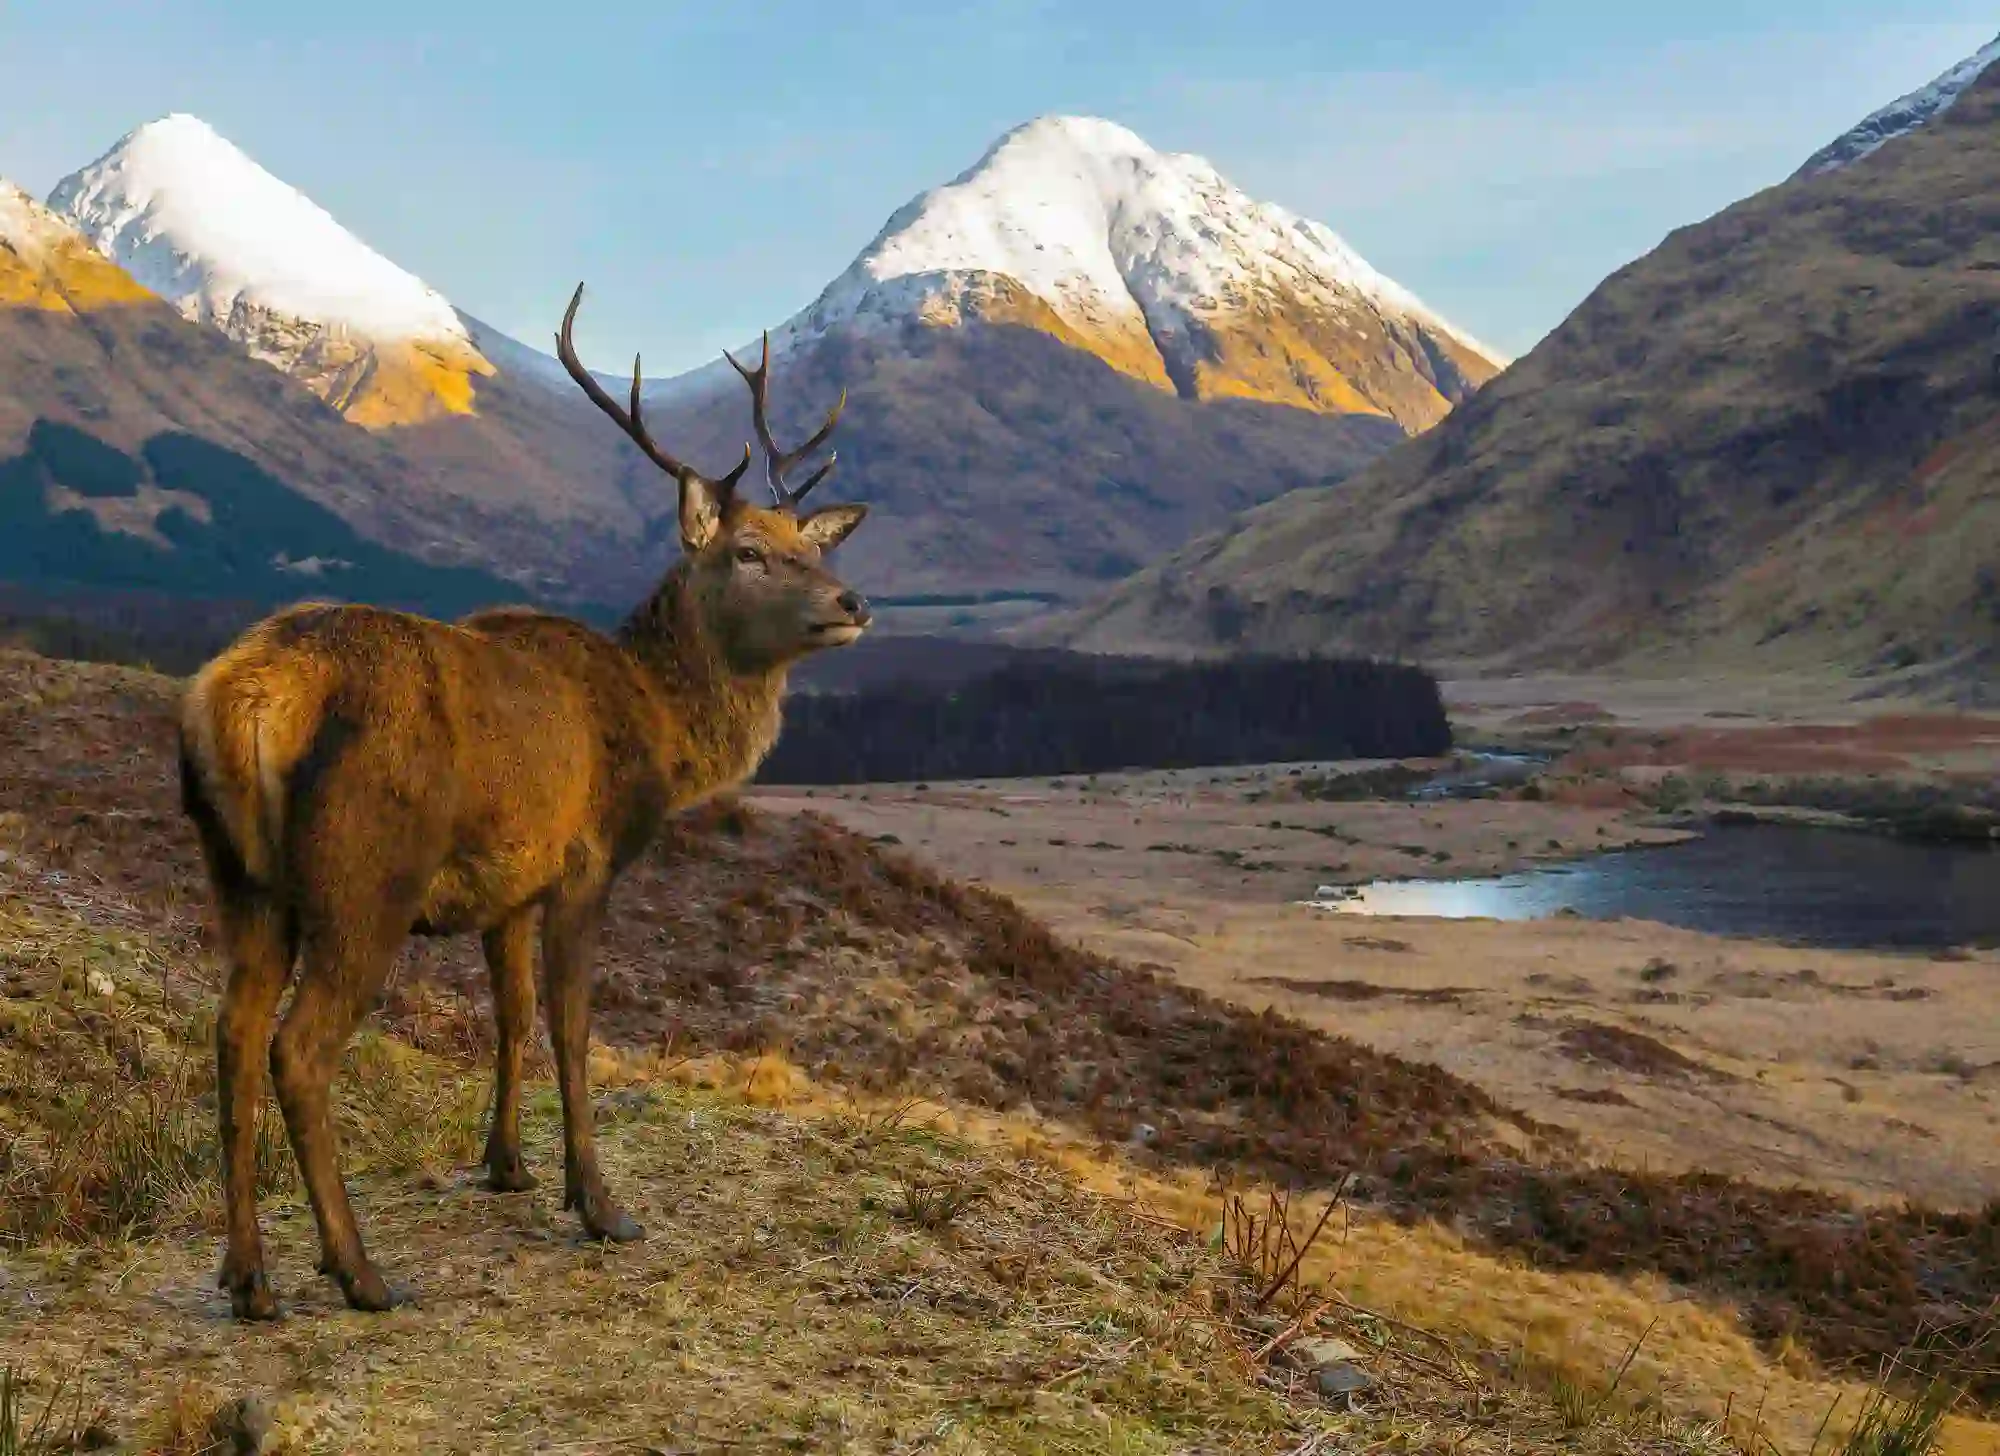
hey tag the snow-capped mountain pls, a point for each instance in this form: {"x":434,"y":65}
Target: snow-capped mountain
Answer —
{"x":131,"y":440}
{"x":1251,"y":351}
{"x":192,"y":218}
{"x":45,"y":262}
{"x":1901,"y":116}
{"x":1155,"y":263}
{"x":1802,"y":475}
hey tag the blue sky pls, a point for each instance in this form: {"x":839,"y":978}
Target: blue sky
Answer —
{"x":707,"y":167}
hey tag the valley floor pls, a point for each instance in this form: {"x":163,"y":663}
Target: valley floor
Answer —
{"x":1871,"y":1073}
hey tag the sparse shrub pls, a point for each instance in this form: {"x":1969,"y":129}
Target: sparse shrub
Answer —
{"x":1673,"y":793}
{"x":935,"y":1207}
{"x":1265,"y":1242}
{"x":1890,"y":1426}
{"x":61,"y":1425}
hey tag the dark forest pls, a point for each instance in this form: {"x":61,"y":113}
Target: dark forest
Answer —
{"x":1066,"y":713}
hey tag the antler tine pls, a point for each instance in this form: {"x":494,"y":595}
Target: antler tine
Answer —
{"x":628,"y":421}
{"x":815,"y":478}
{"x":777,"y":461}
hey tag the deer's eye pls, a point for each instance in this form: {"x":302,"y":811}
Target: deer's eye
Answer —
{"x":749,"y":555}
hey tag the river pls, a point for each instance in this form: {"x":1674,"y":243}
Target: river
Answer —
{"x":1810,"y":886}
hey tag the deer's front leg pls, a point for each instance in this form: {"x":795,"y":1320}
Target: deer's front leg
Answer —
{"x":569,"y":937}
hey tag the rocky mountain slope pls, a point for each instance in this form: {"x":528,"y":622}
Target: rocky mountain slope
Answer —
{"x":138,"y":450}
{"x":1775,"y":439}
{"x":1060,"y":366}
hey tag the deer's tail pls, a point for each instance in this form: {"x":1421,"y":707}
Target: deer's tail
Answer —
{"x":245,"y":722}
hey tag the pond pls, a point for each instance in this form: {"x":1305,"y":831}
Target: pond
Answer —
{"x":1812,"y":886}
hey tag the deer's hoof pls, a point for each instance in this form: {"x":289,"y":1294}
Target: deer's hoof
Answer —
{"x":506,"y":1175}
{"x":369,"y":1292}
{"x":251,"y":1296}
{"x":613,"y":1224}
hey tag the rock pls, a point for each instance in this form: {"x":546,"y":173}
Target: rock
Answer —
{"x":1144,"y":1135}
{"x":242,"y":1426}
{"x":1324,"y":1351}
{"x":1341,"y":1381}
{"x":627,"y":1101}
{"x":99,"y":984}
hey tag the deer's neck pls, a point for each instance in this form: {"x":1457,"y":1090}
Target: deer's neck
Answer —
{"x":721,"y":721}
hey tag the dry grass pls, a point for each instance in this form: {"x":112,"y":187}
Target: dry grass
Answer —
{"x":107,"y":1131}
{"x":872,"y":1274}
{"x":844,"y":1282}
{"x":1643,"y":1352}
{"x":819,"y":1267}
{"x":58,"y":1424}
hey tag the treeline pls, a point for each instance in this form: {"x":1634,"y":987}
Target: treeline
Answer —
{"x":1068,"y":713}
{"x":134,"y":629}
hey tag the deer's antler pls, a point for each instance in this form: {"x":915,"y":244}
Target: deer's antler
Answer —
{"x":776,"y":461}
{"x":629,"y":420}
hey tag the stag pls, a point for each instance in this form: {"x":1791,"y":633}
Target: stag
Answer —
{"x":357,"y":776}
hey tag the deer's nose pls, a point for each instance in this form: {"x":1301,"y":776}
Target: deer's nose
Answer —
{"x":852,"y":603}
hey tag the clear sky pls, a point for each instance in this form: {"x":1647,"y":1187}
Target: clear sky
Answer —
{"x":708,"y":166}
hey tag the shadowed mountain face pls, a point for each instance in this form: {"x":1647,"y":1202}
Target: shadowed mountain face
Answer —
{"x":1773,"y":440}
{"x":996,"y":458}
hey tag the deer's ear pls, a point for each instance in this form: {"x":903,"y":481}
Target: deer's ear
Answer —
{"x":828,"y":528}
{"x":701,"y":511}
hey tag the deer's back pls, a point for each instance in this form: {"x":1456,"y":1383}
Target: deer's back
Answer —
{"x":495,"y":754}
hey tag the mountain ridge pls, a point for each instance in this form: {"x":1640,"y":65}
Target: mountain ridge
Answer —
{"x":1773,"y":441}
{"x":141,"y":451}
{"x":1197,"y":374}
{"x":1901,"y":116}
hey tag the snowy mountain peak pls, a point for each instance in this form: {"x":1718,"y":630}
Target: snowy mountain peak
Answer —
{"x":1901,"y":116}
{"x":193,"y":218}
{"x":1145,"y":257}
{"x":1088,"y":217}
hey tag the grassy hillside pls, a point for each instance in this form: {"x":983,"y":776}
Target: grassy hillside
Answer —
{"x":920,"y":1175}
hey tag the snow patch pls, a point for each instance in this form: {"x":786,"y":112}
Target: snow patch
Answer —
{"x":28,"y":228}
{"x":1901,"y":116}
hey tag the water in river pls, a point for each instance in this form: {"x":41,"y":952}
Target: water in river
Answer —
{"x":1815,"y":886}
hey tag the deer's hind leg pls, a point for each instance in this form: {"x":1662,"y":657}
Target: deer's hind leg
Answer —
{"x":341,"y":973}
{"x":510,"y":958}
{"x":257,"y":938}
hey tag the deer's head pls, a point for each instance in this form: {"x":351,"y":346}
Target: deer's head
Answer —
{"x":756,"y":573}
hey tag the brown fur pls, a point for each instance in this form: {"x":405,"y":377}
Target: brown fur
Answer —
{"x":357,"y":775}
